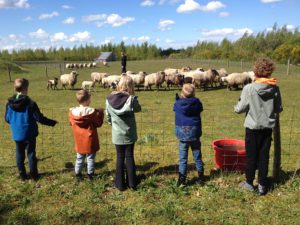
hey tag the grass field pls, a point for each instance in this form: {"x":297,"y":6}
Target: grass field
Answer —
{"x":58,"y":199}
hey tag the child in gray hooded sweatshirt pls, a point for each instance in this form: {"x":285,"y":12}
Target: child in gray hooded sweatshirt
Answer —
{"x":261,"y":101}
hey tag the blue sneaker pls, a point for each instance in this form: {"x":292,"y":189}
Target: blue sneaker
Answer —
{"x":245,"y":185}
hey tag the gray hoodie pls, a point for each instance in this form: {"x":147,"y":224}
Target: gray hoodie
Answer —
{"x":260,"y":102}
{"x":120,"y":109}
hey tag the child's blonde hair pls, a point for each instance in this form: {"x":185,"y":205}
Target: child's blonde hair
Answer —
{"x":126,"y":85}
{"x":21,"y":84}
{"x":82,"y":96}
{"x":188,"y":91}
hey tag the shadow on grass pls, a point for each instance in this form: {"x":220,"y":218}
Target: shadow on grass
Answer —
{"x":284,"y":177}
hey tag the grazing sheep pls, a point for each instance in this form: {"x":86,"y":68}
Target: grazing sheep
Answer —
{"x":97,"y":77}
{"x":174,"y":79}
{"x":184,"y":69}
{"x":69,"y":79}
{"x":85,"y":65}
{"x":88,"y":85}
{"x":236,"y":79}
{"x":222,"y":73}
{"x":52,"y":83}
{"x":130,"y":72}
{"x":107,"y":81}
{"x":105,"y":63}
{"x":251,"y":75}
{"x":170,"y":71}
{"x":138,"y":79}
{"x":114,"y":84}
{"x":154,"y":79}
{"x":80,"y":65}
{"x":94,"y":64}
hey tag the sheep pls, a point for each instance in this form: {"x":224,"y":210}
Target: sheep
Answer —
{"x":69,"y":79}
{"x":88,"y":85}
{"x":80,"y":65}
{"x":154,"y":79}
{"x":97,"y":77}
{"x":174,"y":79}
{"x":94,"y":64}
{"x":169,"y":71}
{"x":251,"y":75}
{"x":105,"y":63}
{"x":107,"y":81}
{"x":236,"y":79}
{"x":89,"y":65}
{"x":138,"y":79}
{"x":85,"y":65}
{"x":52,"y":83}
{"x":222,"y":73}
{"x":185,"y":69}
{"x":129,"y":72}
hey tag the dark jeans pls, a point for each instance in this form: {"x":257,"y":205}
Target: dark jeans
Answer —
{"x":258,"y":143}
{"x":125,"y":152}
{"x":123,"y":69}
{"x":21,"y":147}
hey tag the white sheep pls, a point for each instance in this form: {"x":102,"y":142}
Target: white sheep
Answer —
{"x":52,"y":83}
{"x":154,"y":79}
{"x":105,"y":63}
{"x":97,"y":77}
{"x":69,"y":79}
{"x":236,"y":79}
{"x":94,"y":64}
{"x":251,"y":75}
{"x":107,"y":81}
{"x":88,"y":85}
{"x":138,"y":79}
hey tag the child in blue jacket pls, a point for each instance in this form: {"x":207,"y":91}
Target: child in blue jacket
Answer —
{"x":188,"y":130}
{"x":22,"y":114}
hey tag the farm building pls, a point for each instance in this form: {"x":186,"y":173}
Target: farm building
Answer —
{"x":106,"y":57}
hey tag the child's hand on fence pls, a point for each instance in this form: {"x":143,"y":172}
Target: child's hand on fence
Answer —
{"x":176,"y":96}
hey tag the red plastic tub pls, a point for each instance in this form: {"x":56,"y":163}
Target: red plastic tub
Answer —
{"x":229,"y":154}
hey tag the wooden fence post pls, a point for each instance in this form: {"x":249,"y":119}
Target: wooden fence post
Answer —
{"x":46,"y":70}
{"x":241,"y":64}
{"x":227,"y":63}
{"x":277,"y":149}
{"x":60,"y":69}
{"x":9,"y":71}
{"x":288,"y":67}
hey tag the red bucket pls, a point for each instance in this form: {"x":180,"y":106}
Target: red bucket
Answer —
{"x":229,"y":154}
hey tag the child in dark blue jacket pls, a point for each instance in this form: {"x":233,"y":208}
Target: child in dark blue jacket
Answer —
{"x":188,"y":130}
{"x":22,"y":114}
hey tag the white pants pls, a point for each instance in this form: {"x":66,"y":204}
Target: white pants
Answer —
{"x":90,"y":158}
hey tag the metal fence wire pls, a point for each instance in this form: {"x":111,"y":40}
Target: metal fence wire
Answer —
{"x":157,"y":144}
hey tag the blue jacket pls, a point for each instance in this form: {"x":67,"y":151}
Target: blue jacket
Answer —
{"x":187,"y":118}
{"x":22,"y":115}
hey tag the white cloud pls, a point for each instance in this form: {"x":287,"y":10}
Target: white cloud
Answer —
{"x":171,"y":2}
{"x":66,"y":7}
{"x":116,"y":20}
{"x":48,"y":15}
{"x":270,"y":1}
{"x":164,"y":25}
{"x":69,"y":20}
{"x":168,"y":41}
{"x":28,"y":18}
{"x":40,"y":34}
{"x":157,"y":39}
{"x":290,"y":27}
{"x":143,"y":38}
{"x":107,"y":40}
{"x":147,"y":3}
{"x":224,"y":14}
{"x":12,"y":37}
{"x":80,"y":36}
{"x":6,"y":4}
{"x":94,"y":18}
{"x":125,"y":38}
{"x":60,"y":36}
{"x":226,"y":32}
{"x":191,"y":5}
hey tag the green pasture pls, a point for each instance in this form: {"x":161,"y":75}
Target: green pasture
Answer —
{"x":58,"y":199}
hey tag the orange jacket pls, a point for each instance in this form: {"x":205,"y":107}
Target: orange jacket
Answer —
{"x":85,"y":131}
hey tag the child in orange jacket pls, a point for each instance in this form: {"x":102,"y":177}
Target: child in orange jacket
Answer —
{"x":84,"y":121}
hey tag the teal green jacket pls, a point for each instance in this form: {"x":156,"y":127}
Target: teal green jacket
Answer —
{"x":260,"y":102}
{"x":120,"y":109}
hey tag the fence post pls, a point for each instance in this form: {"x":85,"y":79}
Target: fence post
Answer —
{"x":277,"y":149}
{"x":288,"y":67}
{"x":9,"y":70}
{"x":241,"y":64}
{"x":60,"y":69}
{"x":227,"y":63}
{"x":46,"y":70}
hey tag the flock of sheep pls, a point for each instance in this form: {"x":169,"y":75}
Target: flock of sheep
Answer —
{"x":83,"y":65}
{"x":169,"y":77}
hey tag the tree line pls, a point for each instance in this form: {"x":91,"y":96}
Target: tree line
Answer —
{"x":279,"y":44}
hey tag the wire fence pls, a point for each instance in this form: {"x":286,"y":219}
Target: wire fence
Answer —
{"x":157,"y":145}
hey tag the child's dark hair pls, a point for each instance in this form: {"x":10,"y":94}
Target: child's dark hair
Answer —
{"x":21,"y":84}
{"x":82,"y":96}
{"x":263,"y":67}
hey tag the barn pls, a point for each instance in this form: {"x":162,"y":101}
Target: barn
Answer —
{"x":106,"y":57}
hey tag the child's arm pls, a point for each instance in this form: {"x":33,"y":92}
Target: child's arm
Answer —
{"x":136,"y":105}
{"x":108,"y":116}
{"x":243,"y":104}
{"x":6,"y":117}
{"x":100,"y":115}
{"x":39,"y":117}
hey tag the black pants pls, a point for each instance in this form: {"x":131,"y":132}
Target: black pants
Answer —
{"x":125,"y":152}
{"x":258,"y":143}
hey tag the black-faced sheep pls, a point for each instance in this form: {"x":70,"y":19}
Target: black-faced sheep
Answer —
{"x":52,"y":83}
{"x":69,"y":79}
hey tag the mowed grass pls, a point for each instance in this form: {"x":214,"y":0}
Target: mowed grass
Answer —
{"x":58,"y":199}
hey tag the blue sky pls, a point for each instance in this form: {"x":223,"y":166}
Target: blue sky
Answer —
{"x":166,"y":23}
